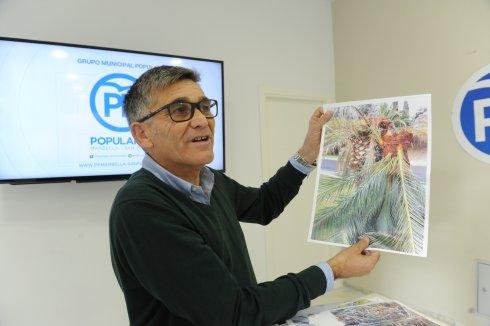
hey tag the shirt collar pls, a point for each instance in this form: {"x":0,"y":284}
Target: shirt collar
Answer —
{"x":206,"y":178}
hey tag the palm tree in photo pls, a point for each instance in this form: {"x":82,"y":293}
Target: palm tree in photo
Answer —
{"x":376,"y":192}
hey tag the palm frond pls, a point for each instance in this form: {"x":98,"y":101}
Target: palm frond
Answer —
{"x":408,"y":210}
{"x":383,"y":241}
{"x":351,"y":206}
{"x":339,"y":131}
{"x":400,"y":119}
{"x":331,"y":187}
{"x":370,"y":157}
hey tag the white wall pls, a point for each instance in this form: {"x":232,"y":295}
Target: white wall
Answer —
{"x":387,"y":48}
{"x":55,"y":265}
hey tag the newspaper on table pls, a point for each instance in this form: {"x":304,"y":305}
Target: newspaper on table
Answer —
{"x":371,"y":310}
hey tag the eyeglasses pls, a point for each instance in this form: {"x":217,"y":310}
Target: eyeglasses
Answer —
{"x":180,"y":111}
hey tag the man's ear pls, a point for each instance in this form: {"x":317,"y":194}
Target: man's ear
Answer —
{"x":141,"y":133}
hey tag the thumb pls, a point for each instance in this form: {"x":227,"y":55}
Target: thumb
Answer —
{"x":318,"y":113}
{"x":361,"y":245}
{"x":327,"y":115}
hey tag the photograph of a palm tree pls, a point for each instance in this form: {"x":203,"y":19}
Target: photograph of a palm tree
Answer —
{"x":373,"y":175}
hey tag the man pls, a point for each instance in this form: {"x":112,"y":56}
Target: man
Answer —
{"x":177,"y":248}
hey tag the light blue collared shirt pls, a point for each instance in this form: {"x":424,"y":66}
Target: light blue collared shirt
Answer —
{"x":300,"y":167}
{"x":202,"y":193}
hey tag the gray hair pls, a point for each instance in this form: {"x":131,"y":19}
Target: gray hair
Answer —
{"x":138,"y":97}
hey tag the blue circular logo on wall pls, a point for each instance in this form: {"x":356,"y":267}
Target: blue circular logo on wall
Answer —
{"x":107,"y":98}
{"x":471,"y":115}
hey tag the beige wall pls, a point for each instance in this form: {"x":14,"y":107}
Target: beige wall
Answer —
{"x":55,"y":265}
{"x":388,"y":48}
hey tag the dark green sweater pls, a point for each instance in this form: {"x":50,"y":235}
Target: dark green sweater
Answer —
{"x":180,"y":262}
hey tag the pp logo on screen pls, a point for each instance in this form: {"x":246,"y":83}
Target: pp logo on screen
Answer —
{"x":471,"y":115}
{"x":107,"y":98}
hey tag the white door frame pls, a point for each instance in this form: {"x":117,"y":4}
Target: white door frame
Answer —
{"x":266,"y":93}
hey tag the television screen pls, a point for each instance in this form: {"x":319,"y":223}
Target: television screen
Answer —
{"x":61,"y":110}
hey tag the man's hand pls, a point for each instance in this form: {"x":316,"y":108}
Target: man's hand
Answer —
{"x":354,"y":261}
{"x":311,"y":146}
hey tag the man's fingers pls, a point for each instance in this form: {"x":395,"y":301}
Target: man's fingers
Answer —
{"x":318,"y":112}
{"x":372,"y":254}
{"x":320,"y":116}
{"x":327,"y":116}
{"x":373,"y":257}
{"x":362,"y":244}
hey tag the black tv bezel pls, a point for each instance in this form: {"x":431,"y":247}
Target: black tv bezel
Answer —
{"x":112,"y":177}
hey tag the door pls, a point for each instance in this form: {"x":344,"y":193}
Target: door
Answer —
{"x":284,"y":122}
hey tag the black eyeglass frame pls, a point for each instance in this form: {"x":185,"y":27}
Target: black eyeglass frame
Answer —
{"x":194,"y":106}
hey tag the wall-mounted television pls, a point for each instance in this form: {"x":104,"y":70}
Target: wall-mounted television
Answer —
{"x":61,"y":115}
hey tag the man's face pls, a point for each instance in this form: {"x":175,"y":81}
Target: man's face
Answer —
{"x":174,"y":143}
